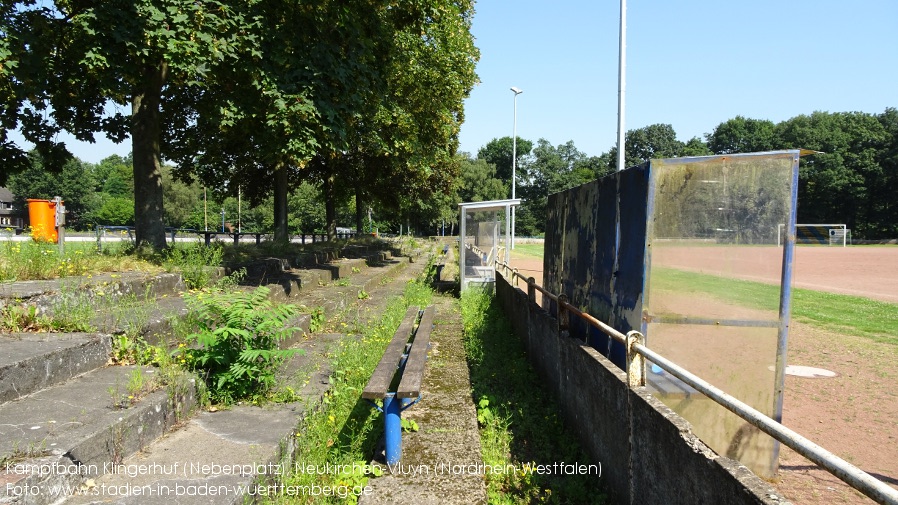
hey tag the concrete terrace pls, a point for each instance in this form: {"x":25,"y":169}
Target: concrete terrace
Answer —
{"x":66,"y":424}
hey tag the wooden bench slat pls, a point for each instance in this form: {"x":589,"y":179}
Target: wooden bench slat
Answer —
{"x":413,"y":376}
{"x":386,"y":369}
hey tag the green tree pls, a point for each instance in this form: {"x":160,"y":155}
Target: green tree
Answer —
{"x":404,"y":154}
{"x":115,"y":176}
{"x":883,"y":204}
{"x":290,"y":97}
{"x":181,"y":200}
{"x":696,"y":147}
{"x":552,"y":169}
{"x":653,"y":141}
{"x":498,"y":152}
{"x":650,"y":142}
{"x":743,"y":135}
{"x":839,"y":184}
{"x":478,"y":181}
{"x":115,"y":211}
{"x":65,"y":61}
{"x":306,"y":209}
{"x":74,"y":183}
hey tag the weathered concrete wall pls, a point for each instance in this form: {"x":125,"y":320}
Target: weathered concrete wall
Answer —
{"x":586,"y":385}
{"x":647,"y":452}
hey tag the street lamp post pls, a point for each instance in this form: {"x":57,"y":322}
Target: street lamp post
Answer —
{"x":622,"y":87}
{"x":514,"y":156}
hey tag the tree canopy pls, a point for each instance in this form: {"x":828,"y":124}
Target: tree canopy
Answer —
{"x":243,"y":95}
{"x":79,"y":66}
{"x":852,"y":181}
{"x":499,"y":152}
{"x":353,"y":103}
{"x":403,"y":155}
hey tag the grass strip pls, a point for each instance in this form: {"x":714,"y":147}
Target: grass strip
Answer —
{"x":519,"y":425}
{"x":529,"y":250}
{"x":24,"y":261}
{"x":336,"y":440}
{"x":847,"y":314}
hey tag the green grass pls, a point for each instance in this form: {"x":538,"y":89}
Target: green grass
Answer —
{"x":531,"y":250}
{"x":519,"y":426}
{"x":847,"y":314}
{"x":28,"y":260}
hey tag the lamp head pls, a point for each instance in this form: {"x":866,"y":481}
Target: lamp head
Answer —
{"x":516,"y":90}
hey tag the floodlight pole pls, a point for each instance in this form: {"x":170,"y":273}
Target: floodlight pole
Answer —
{"x":622,"y":86}
{"x":514,"y":156}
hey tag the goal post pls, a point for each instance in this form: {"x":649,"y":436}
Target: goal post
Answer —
{"x":819,"y":234}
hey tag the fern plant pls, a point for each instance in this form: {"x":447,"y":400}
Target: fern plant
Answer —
{"x":235,"y":345}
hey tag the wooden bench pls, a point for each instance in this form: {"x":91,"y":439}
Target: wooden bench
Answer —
{"x":397,"y":379}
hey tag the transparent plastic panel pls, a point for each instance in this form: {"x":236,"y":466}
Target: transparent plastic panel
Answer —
{"x":483,"y":243}
{"x":734,"y":200}
{"x":738,"y":360}
{"x":713,"y":290}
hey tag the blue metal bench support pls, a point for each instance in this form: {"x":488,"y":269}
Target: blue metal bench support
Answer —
{"x":392,"y":428}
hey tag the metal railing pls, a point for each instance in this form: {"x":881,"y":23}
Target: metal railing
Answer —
{"x":637,"y":353}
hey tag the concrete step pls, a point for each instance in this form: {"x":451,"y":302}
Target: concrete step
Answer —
{"x":288,"y":280}
{"x":87,"y":423}
{"x":30,"y":362}
{"x":151,"y":319}
{"x":344,"y":292}
{"x":224,"y":452}
{"x":50,"y":296}
{"x":152,"y":314}
{"x":215,"y":456}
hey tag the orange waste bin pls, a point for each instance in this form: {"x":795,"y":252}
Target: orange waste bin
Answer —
{"x":42,"y":215}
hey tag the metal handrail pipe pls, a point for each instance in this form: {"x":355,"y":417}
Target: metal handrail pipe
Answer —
{"x":545,"y":292}
{"x":848,"y":473}
{"x":854,"y":476}
{"x":604,"y":328}
{"x":537,"y":287}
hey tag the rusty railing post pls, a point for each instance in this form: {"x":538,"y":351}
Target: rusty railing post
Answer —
{"x":564,"y":317}
{"x":635,"y":361}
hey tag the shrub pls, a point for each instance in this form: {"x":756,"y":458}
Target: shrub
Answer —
{"x":235,"y":347}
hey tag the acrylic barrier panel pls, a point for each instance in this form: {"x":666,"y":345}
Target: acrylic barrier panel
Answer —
{"x":483,"y":243}
{"x":713,"y":290}
{"x":738,"y":360}
{"x":728,"y":200}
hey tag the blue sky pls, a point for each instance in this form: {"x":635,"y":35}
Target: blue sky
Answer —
{"x":691,"y":63}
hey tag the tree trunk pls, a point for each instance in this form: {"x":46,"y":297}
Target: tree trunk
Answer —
{"x":146,"y":132}
{"x":330,"y":210}
{"x":280,"y":204}
{"x":359,"y":210}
